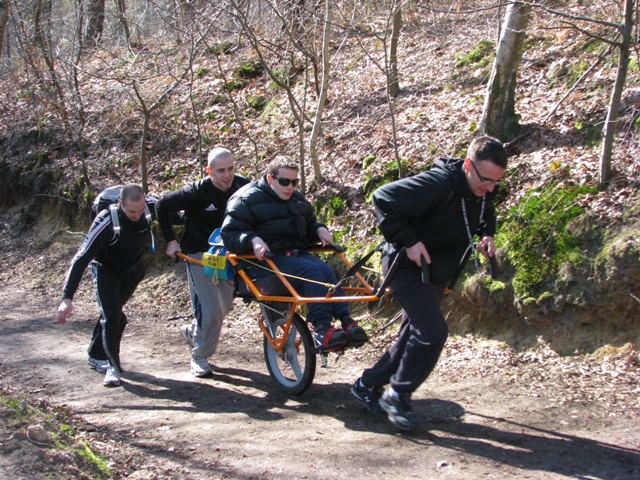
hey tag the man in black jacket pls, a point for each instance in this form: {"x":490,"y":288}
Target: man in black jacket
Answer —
{"x":203,"y":202}
{"x":433,"y":216}
{"x":271,"y":215}
{"x":116,"y":264}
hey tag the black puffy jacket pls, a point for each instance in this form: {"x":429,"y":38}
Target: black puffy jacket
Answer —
{"x":256,"y":211}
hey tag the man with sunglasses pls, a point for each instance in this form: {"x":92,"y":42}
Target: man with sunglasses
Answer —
{"x":203,"y":203}
{"x":430,"y":218}
{"x":271,"y":215}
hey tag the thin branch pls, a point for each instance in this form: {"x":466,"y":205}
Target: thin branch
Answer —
{"x":395,"y":318}
{"x":575,"y":85}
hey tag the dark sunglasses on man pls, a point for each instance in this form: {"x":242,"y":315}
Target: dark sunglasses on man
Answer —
{"x":286,"y":181}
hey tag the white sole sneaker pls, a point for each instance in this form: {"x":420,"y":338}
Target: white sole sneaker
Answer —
{"x":187,"y":334}
{"x":200,"y":367}
{"x":111,"y":378}
{"x":98,"y":365}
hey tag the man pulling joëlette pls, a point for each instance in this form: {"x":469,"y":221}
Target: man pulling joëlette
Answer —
{"x":434,"y":216}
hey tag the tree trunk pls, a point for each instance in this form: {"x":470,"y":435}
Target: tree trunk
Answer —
{"x":4,"y":18}
{"x":394,"y":79}
{"x":621,"y":78}
{"x":317,"y":123}
{"x":95,"y":25}
{"x":499,"y":118}
{"x":143,"y":150}
{"x":122,"y":8}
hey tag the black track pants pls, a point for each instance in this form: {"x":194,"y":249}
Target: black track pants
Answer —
{"x":423,"y":333}
{"x":113,"y":290}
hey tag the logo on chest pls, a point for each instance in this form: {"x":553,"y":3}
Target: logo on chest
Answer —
{"x":211,"y":208}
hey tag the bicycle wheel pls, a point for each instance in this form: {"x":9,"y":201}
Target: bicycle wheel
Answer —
{"x":295,"y":368}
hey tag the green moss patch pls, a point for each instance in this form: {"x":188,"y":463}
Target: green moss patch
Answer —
{"x":537,"y":238}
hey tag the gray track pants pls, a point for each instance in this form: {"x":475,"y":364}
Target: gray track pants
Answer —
{"x":211,"y":303}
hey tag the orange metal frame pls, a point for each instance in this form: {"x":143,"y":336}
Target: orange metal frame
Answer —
{"x":363,"y":293}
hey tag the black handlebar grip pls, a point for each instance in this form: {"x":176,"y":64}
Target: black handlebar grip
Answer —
{"x":336,"y":247}
{"x":425,"y":271}
{"x":268,"y":254}
{"x":494,"y":267}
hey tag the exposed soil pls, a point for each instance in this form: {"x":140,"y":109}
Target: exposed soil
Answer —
{"x":487,"y":411}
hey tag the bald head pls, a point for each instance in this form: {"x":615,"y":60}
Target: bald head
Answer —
{"x":216,"y":154}
{"x":221,"y":168}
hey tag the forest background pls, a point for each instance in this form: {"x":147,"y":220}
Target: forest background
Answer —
{"x":100,"y":93}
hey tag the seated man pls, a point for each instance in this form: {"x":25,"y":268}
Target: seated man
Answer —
{"x":271,"y":215}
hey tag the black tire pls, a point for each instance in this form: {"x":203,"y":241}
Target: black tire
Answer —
{"x":295,"y":369}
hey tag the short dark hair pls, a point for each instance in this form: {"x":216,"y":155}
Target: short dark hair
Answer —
{"x":279,"y":162}
{"x":131,"y":192}
{"x":488,"y":148}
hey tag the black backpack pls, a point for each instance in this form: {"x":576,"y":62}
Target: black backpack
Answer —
{"x":108,"y":198}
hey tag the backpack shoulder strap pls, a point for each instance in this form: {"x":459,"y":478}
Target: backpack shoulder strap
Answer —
{"x":115,"y":221}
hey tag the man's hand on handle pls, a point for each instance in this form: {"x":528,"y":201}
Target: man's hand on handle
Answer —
{"x":418,"y":251}
{"x":325,"y":236}
{"x":173,"y":247}
{"x":486,"y":247}
{"x":259,"y":247}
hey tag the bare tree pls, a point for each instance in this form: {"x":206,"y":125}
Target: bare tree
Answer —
{"x":624,"y":46}
{"x":326,"y":67}
{"x":393,"y":79}
{"x":95,"y":22}
{"x":4,"y":18}
{"x":122,"y":16}
{"x":389,"y":36}
{"x":54,"y":72}
{"x":620,"y":38}
{"x":499,"y":117}
{"x":276,"y":37}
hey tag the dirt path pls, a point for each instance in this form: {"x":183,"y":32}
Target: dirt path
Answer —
{"x":482,"y":415}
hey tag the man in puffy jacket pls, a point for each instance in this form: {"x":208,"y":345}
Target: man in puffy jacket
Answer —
{"x":271,"y":215}
{"x":116,"y":264}
{"x":203,"y":203}
{"x":433,"y":216}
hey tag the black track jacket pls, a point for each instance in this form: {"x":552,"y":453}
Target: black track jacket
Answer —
{"x":123,"y":255}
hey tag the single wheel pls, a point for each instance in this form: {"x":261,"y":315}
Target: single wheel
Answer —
{"x":295,"y":368}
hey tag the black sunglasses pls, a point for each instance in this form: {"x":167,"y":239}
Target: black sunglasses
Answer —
{"x":486,"y":180}
{"x":286,"y":181}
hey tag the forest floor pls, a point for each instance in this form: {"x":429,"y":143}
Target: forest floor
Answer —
{"x":486,"y":412}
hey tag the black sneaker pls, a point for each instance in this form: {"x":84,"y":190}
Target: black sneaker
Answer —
{"x":356,"y":336}
{"x":399,"y":410}
{"x":369,"y":395}
{"x":329,"y":338}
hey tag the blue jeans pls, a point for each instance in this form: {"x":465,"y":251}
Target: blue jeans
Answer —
{"x":311,"y":267}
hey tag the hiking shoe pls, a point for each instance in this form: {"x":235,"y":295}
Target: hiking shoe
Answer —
{"x":369,"y":395}
{"x":187,"y":334}
{"x":200,"y":367}
{"x":112,"y":377}
{"x":399,"y":410}
{"x":329,"y":338}
{"x":356,"y":336}
{"x":98,"y":365}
